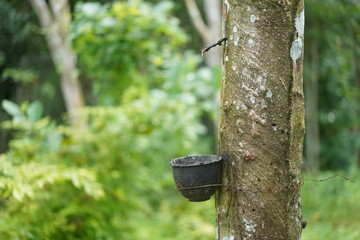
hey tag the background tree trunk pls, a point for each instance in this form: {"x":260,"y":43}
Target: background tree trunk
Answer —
{"x":357,"y":80}
{"x":210,"y":31}
{"x":311,"y":162}
{"x":55,"y":18}
{"x":262,"y":121}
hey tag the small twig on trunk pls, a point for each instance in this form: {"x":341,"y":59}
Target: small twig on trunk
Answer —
{"x":214,"y":45}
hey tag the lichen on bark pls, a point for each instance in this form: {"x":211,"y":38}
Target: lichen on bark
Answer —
{"x":262,"y":121}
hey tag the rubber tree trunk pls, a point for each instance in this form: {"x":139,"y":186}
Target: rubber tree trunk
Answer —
{"x":261,"y":121}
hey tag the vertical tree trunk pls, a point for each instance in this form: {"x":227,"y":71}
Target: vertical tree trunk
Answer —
{"x":261,"y":121}
{"x":55,"y":18}
{"x":312,"y":137}
{"x":213,"y":17}
{"x":210,"y":31}
{"x":356,"y":61}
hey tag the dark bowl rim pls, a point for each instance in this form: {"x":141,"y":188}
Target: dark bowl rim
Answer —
{"x":219,"y":158}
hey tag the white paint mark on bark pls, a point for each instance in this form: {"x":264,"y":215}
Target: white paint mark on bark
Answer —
{"x":259,"y":79}
{"x":228,"y":7}
{"x":234,"y":29}
{"x":256,"y":117}
{"x":251,"y":42}
{"x":274,"y":128}
{"x":226,"y":58}
{"x":297,"y":44}
{"x":234,"y":67}
{"x":253,"y":18}
{"x":236,"y":43}
{"x":244,"y":71}
{"x":252,"y":99}
{"x":249,"y":228}
{"x":299,"y":23}
{"x":296,"y":49}
{"x":269,"y":94}
{"x":254,"y":92}
{"x":244,"y":107}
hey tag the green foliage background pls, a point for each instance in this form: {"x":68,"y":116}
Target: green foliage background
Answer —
{"x":151,"y":99}
{"x":333,"y":31}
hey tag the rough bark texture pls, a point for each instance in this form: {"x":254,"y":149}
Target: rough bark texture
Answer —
{"x":261,"y":121}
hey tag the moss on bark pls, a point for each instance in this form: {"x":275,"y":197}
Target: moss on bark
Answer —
{"x":262,"y":121}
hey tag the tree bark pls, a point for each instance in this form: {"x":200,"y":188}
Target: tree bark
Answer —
{"x":261,"y":121}
{"x":55,"y":19}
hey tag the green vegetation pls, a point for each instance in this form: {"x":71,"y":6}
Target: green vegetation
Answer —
{"x":331,"y":207}
{"x":150,"y":99}
{"x":122,"y":44}
{"x":332,"y":46}
{"x":112,"y":179}
{"x":100,"y":183}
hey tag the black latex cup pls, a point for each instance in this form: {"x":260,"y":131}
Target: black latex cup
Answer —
{"x":197,"y":177}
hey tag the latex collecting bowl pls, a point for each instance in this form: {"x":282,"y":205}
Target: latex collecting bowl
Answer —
{"x":197,"y":177}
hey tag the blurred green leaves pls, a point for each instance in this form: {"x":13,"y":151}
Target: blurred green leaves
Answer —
{"x":32,"y":111}
{"x":124,"y":43}
{"x":155,"y":101}
{"x":331,"y":208}
{"x":333,"y":27}
{"x":11,"y":108}
{"x":113,"y":180}
{"x":121,"y":162}
{"x":18,"y":75}
{"x":26,"y":179}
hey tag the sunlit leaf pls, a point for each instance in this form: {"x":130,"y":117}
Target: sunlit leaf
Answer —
{"x":11,"y":108}
{"x":34,"y":111}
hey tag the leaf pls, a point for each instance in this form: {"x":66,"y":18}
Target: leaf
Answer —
{"x":34,"y":111}
{"x":53,"y":141}
{"x":90,"y":9}
{"x":11,"y":108}
{"x":18,"y":194}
